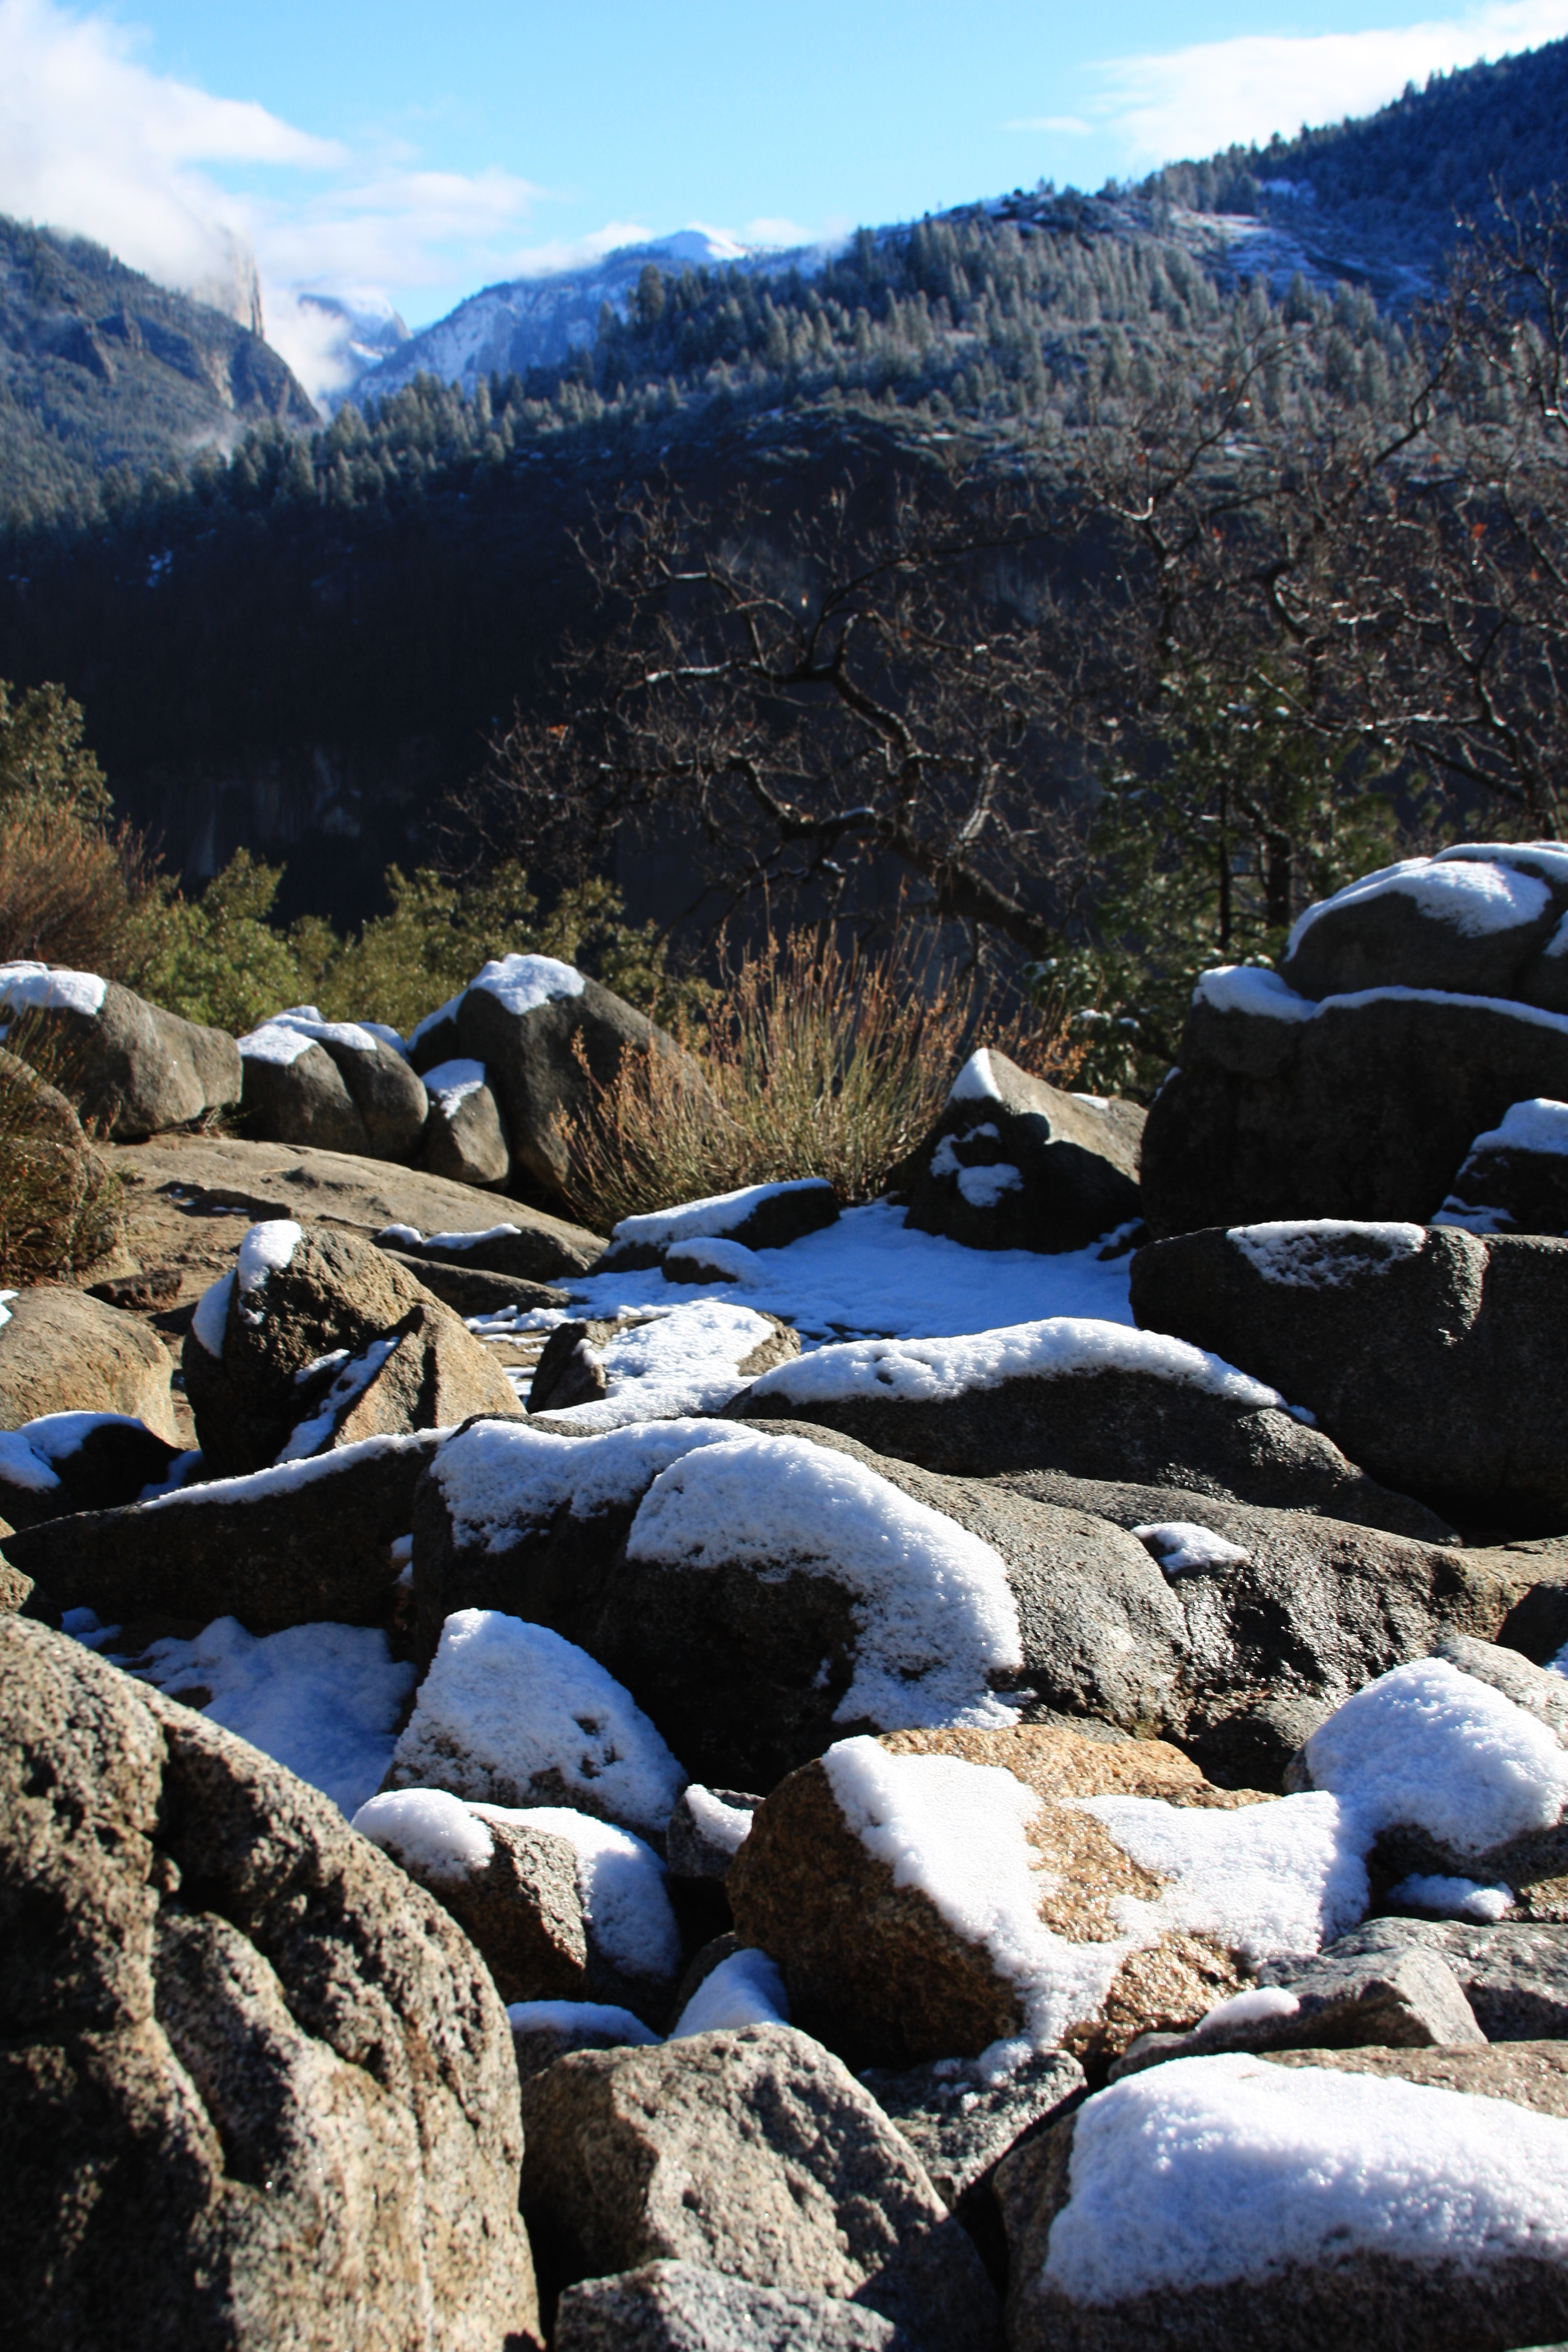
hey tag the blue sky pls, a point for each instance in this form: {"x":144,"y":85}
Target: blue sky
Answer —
{"x":418,"y":154}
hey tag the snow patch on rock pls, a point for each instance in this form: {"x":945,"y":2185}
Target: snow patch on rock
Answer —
{"x":1299,"y":1254}
{"x":432,"y":1833}
{"x":524,"y":982}
{"x":744,"y":1989}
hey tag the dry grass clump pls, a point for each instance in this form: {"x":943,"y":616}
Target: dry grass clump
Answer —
{"x":820,"y":1060}
{"x":68,"y":891}
{"x":60,"y":1205}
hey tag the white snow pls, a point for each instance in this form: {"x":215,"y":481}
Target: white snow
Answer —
{"x":286,"y":1036}
{"x":5,"y":1296}
{"x":984,"y":1187}
{"x":524,"y":982}
{"x":468,"y":1240}
{"x":310,"y":1436}
{"x":1453,"y":1898}
{"x":579,"y":2016}
{"x":1429,"y":1745}
{"x":725,"y":1262}
{"x":266,"y":1249}
{"x":977,"y":1082}
{"x":404,"y":1236}
{"x":725,"y":1826}
{"x":1539,"y":1125}
{"x":432,"y":1833}
{"x":1210,"y":2169}
{"x":1270,"y":1879}
{"x":320,"y":1699}
{"x":450,"y":1083}
{"x":1548,"y":857}
{"x":936,"y":1614}
{"x":710,"y":1219}
{"x":20,"y":1466}
{"x":210,"y":1321}
{"x":35,"y":988}
{"x":1248,"y":2007}
{"x":678,"y":1360}
{"x":1557,"y":945}
{"x":289,"y":1477}
{"x":620,"y":1884}
{"x":871,"y":1274}
{"x":1302,"y":1255}
{"x":744,"y":1989}
{"x":502,"y":1478}
{"x":1182,"y":1547}
{"x":506,"y":1702}
{"x":1063,"y":1347}
{"x":1473,"y":896}
{"x":1252,"y":988}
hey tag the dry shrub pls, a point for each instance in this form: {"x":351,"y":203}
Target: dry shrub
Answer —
{"x":823,"y":1060}
{"x":67,"y":890}
{"x":59,"y":1204}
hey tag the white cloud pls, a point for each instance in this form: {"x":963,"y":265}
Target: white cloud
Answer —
{"x":1192,"y":101}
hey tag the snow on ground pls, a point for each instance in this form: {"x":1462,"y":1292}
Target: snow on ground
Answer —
{"x":507,"y":1701}
{"x":917,"y":1371}
{"x":682,"y":1360}
{"x":870,"y":1275}
{"x":744,"y":1989}
{"x":1431,"y":1747}
{"x":1210,"y":2169}
{"x":322,"y":1700}
{"x":936,"y":1614}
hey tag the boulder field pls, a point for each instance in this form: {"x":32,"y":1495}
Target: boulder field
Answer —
{"x":984,"y":1770}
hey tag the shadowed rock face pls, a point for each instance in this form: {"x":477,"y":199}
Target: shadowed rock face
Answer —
{"x":1433,"y":1357}
{"x":1016,"y":1163}
{"x":284,"y":2067}
{"x":61,"y":1352}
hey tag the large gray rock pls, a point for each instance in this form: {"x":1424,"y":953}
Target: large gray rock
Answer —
{"x":428,"y":1372}
{"x":1513,"y":1975}
{"x":471,"y":1290}
{"x":296,"y":1300}
{"x":753,"y":2153}
{"x":961,"y":2116}
{"x":1432,"y":1356}
{"x":1515,"y":1179}
{"x":131,"y":1068}
{"x":61,"y":1352}
{"x":684,"y":2308}
{"x":527,"y":1018}
{"x":1359,"y":1107}
{"x":1090,"y":1400}
{"x":1473,"y":921}
{"x":1016,"y":1163}
{"x":388,"y":1095}
{"x":308,"y":1543}
{"x":279,"y":2072}
{"x":757,"y":1217}
{"x":299,"y":1096}
{"x":464,"y":1138}
{"x":1209,"y":2204}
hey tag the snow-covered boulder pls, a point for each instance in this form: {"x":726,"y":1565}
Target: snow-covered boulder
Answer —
{"x":67,"y":1462}
{"x":1017,"y":1163}
{"x":658,"y":1367}
{"x":211,"y":1983}
{"x":131,"y":1068}
{"x":525,"y":1018}
{"x":306,"y":1542}
{"x":757,"y":1217}
{"x":1431,"y":1355}
{"x":563,"y":1907}
{"x":1356,"y":1106}
{"x":529,"y":1247}
{"x":61,"y":1352}
{"x":756,"y":2154}
{"x":512,"y":1713}
{"x":933,"y":1893}
{"x":1236,"y":2199}
{"x":1090,"y":1400}
{"x":1486,"y":918}
{"x":464,"y":1140}
{"x":1514,"y":1179}
{"x":1456,"y":1766}
{"x":268,"y":1340}
{"x":340,"y":1085}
